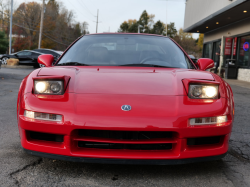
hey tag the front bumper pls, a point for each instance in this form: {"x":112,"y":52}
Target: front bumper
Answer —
{"x":125,"y":161}
{"x":154,"y":118}
{"x":69,"y":147}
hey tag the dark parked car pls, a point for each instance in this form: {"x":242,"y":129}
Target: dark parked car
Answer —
{"x":0,"y":60}
{"x":25,"y":57}
{"x":193,"y":58}
{"x":55,"y":53}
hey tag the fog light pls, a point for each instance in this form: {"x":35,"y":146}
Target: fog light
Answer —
{"x":42,"y":116}
{"x":208,"y":120}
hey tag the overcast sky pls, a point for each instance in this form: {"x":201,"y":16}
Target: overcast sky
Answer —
{"x":113,"y":12}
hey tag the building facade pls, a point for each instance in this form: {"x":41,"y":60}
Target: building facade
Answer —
{"x":225,"y":23}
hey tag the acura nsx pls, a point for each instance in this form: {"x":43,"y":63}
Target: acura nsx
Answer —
{"x":126,"y":99}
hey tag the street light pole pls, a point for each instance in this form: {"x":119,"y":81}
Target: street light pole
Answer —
{"x":41,"y":26}
{"x":97,"y":21}
{"x":11,"y":27}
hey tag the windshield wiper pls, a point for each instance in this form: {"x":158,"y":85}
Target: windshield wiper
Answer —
{"x":72,"y":64}
{"x":147,"y":65}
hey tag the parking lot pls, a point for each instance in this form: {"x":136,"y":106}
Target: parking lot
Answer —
{"x":20,"y":169}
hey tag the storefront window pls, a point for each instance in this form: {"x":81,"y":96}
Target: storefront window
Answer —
{"x":207,"y":50}
{"x":228,"y":50}
{"x":244,"y":52}
{"x":216,"y":50}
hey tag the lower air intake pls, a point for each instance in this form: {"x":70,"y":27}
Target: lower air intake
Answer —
{"x":45,"y":136}
{"x":204,"y":140}
{"x":126,"y":135}
{"x":98,"y":145}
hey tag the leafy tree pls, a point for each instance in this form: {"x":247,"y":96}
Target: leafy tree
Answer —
{"x":172,"y":32}
{"x":143,"y":22}
{"x":124,"y":27}
{"x":184,"y":35}
{"x":151,"y":21}
{"x":59,"y":27}
{"x":3,"y":42}
{"x":130,"y":26}
{"x":200,"y":41}
{"x":158,"y":28}
{"x":187,"y":42}
{"x":27,"y":19}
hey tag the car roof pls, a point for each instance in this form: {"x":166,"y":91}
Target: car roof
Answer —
{"x":48,"y":50}
{"x":28,"y":51}
{"x":123,"y":33}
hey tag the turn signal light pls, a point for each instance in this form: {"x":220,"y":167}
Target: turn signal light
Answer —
{"x":208,"y":121}
{"x":42,"y":116}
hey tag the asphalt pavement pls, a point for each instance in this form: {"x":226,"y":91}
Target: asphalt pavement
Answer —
{"x":19,"y":169}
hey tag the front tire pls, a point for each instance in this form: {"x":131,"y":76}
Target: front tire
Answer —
{"x":4,"y":60}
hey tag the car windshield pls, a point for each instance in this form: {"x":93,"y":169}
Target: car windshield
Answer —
{"x":125,"y":50}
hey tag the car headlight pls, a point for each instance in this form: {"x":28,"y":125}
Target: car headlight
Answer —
{"x":203,"y":91}
{"x":51,"y":87}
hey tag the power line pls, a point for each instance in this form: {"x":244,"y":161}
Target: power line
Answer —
{"x":80,"y":11}
{"x":85,"y":7}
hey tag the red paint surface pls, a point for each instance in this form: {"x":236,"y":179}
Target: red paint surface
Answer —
{"x":235,"y":46}
{"x":46,"y":60}
{"x":205,"y":63}
{"x":93,"y":100}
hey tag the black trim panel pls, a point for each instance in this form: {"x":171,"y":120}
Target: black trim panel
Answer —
{"x":124,"y":161}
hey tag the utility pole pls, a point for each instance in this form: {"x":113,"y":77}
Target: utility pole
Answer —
{"x":97,"y":21}
{"x":2,"y":17}
{"x":11,"y":13}
{"x":41,"y":26}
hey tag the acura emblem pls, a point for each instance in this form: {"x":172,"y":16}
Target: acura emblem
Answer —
{"x":126,"y":108}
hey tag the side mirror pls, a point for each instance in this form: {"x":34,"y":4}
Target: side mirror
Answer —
{"x":46,"y":60}
{"x":205,"y":63}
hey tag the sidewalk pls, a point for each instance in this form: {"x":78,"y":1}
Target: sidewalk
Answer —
{"x":236,"y":82}
{"x":17,"y":67}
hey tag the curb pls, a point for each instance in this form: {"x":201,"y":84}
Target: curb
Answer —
{"x":17,"y":67}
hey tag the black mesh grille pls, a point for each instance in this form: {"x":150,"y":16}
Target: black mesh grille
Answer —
{"x":126,"y":135}
{"x":204,"y":140}
{"x":98,"y":145}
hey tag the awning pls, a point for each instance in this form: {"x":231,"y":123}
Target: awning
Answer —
{"x":228,"y":15}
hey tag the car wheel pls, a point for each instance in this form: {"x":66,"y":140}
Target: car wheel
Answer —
{"x":4,"y":60}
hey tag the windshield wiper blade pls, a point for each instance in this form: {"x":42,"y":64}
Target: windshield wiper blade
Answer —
{"x":72,"y":64}
{"x":146,"y":65}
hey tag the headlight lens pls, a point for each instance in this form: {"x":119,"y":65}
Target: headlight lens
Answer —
{"x":49,"y":87}
{"x":42,"y":116}
{"x":208,"y":120}
{"x":203,"y":91}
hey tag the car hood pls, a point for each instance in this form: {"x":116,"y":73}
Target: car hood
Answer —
{"x":126,"y":80}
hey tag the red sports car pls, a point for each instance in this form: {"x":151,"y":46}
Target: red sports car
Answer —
{"x":126,"y":99}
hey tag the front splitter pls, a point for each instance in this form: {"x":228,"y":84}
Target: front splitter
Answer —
{"x":125,"y":161}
